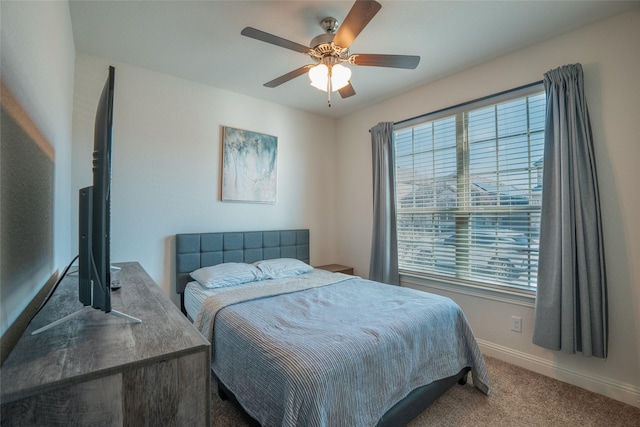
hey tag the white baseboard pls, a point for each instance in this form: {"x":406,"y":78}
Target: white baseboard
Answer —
{"x":622,"y":392}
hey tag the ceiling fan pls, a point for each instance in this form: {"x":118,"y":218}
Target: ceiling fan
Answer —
{"x":331,"y":49}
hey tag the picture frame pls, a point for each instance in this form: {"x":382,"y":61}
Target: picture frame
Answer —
{"x":249,"y":166}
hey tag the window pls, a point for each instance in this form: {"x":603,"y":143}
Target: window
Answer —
{"x":468,"y":188}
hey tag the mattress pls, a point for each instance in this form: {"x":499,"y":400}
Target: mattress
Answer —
{"x":194,"y":297}
{"x":333,"y":354}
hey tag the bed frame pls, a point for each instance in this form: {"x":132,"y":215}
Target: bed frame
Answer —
{"x":196,"y":250}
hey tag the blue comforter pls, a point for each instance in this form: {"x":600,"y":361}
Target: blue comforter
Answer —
{"x":341,"y":354}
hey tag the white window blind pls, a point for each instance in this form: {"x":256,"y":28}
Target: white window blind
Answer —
{"x":468,"y":186}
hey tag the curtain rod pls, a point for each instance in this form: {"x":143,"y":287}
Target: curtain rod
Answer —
{"x":468,"y":102}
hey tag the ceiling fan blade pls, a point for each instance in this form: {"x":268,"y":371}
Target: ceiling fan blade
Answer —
{"x":270,"y":38}
{"x":347,"y":91}
{"x":358,"y":17}
{"x":393,"y":61}
{"x":289,"y":76}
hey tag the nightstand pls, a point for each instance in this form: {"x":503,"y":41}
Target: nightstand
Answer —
{"x":336,"y":268}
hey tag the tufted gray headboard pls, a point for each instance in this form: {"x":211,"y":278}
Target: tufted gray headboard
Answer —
{"x":195,"y":250}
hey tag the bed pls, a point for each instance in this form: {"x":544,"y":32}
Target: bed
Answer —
{"x":315,"y":348}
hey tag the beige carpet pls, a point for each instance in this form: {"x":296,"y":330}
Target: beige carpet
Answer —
{"x":518,"y":398}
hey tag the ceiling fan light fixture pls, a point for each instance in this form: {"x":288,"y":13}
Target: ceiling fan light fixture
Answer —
{"x":340,"y":76}
{"x":319,"y":76}
{"x":331,"y":48}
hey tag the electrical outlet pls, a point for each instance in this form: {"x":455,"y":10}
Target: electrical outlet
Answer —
{"x":516,"y":324}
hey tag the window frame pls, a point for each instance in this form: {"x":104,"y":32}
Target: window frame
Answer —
{"x":433,"y":278}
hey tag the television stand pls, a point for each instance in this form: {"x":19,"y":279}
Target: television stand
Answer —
{"x":115,"y":285}
{"x":99,"y":370}
{"x":82,"y":311}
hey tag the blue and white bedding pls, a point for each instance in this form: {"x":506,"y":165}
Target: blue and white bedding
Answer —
{"x":325,"y":349}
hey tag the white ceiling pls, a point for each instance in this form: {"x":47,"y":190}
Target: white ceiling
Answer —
{"x":200,"y":40}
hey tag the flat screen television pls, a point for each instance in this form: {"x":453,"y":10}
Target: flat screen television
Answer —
{"x":94,"y":219}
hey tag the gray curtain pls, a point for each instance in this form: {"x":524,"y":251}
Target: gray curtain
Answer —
{"x":384,"y":245}
{"x":571,"y":303}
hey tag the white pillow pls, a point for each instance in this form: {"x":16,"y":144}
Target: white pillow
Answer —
{"x":227,"y":274}
{"x":282,"y":267}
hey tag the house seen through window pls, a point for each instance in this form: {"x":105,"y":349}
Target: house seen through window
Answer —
{"x":468,"y":188}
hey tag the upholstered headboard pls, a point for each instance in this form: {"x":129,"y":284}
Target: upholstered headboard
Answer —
{"x":195,"y":250}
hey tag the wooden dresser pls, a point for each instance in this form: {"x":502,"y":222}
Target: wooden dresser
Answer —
{"x":101,"y":370}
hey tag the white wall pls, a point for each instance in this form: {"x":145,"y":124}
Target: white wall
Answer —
{"x":610,"y":55}
{"x":37,"y":65}
{"x":166,"y":164}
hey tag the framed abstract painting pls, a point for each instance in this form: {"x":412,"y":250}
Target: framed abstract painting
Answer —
{"x":249,"y":166}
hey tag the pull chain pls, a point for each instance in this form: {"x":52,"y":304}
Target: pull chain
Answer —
{"x":329,"y":88}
